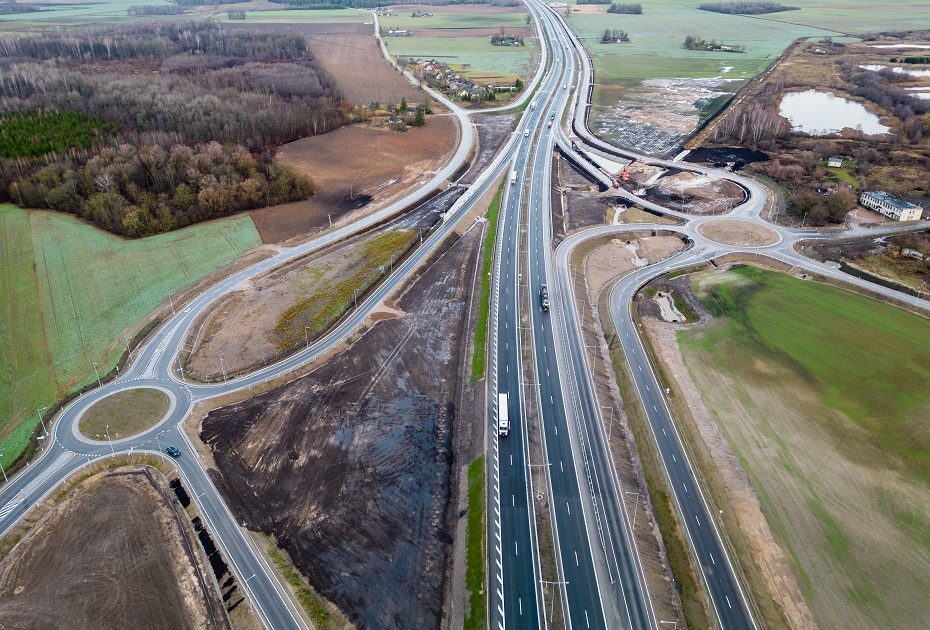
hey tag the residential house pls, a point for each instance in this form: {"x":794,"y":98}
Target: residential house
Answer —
{"x":835,"y":161}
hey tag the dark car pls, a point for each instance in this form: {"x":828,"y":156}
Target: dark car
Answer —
{"x":543,"y":298}
{"x":174,"y":451}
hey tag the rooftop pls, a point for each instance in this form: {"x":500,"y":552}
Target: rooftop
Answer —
{"x":895,"y":202}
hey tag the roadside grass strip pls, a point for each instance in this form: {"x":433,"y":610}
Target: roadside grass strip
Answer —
{"x":475,"y":548}
{"x":479,"y":357}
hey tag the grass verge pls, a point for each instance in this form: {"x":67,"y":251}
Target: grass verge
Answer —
{"x":479,"y":357}
{"x":690,"y":591}
{"x":315,"y":607}
{"x":475,"y":548}
{"x":124,"y":414}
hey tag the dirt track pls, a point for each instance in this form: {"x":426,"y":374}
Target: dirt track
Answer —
{"x":349,"y":467}
{"x":110,"y":556}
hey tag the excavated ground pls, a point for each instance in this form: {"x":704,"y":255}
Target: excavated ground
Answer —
{"x":349,"y":467}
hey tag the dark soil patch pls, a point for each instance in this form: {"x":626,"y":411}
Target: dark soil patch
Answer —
{"x":493,"y":132}
{"x":348,"y":467}
{"x":719,"y":157}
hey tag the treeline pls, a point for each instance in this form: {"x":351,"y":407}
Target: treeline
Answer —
{"x":141,"y":190}
{"x":206,"y":3}
{"x":614,"y":36}
{"x":879,"y":88}
{"x":235,"y":14}
{"x":912,"y":60}
{"x":627,"y":9}
{"x":745,"y":8}
{"x":253,"y":88}
{"x":372,"y":4}
{"x":593,"y":1}
{"x":154,"y":9}
{"x":755,"y":122}
{"x":693,"y":42}
{"x":12,"y":8}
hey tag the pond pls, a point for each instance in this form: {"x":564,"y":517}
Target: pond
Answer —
{"x":823,"y":113}
{"x":914,"y":72}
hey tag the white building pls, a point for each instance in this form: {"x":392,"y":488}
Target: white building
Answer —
{"x":835,"y":161}
{"x":892,"y":207}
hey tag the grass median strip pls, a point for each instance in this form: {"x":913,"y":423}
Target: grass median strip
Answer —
{"x":124,"y":414}
{"x":475,"y":545}
{"x":479,"y":358}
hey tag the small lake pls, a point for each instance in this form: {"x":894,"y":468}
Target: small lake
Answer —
{"x":823,"y":113}
{"x":914,"y":72}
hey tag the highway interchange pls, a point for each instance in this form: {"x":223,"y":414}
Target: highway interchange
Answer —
{"x":601,"y":580}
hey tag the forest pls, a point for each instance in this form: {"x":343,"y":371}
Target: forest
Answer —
{"x":745,"y":8}
{"x":156,"y":90}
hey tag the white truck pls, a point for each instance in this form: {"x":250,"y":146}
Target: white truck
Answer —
{"x":513,"y":177}
{"x":503,"y":419}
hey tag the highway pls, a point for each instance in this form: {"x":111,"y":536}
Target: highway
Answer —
{"x":602,"y":584}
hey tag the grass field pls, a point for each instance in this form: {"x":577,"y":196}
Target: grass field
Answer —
{"x":88,"y":12}
{"x":477,"y":52}
{"x":824,"y":396}
{"x":78,"y":293}
{"x":124,"y":414}
{"x":468,"y":20}
{"x":299,"y":16}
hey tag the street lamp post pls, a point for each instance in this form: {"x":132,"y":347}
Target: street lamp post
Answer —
{"x":42,"y":420}
{"x":803,"y":220}
{"x":635,"y":508}
{"x":223,"y":367}
{"x":97,"y":373}
{"x":5,"y":480}
{"x":307,"y":335}
{"x":112,"y":450}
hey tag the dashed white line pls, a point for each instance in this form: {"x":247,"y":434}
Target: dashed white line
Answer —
{"x":569,"y":508}
{"x":712,"y":561}
{"x":577,"y":564}
{"x":728,"y":602}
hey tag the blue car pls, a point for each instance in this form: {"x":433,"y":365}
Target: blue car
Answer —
{"x":174,"y":451}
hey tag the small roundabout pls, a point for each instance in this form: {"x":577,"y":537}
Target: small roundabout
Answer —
{"x":738,"y":233}
{"x":124,"y":414}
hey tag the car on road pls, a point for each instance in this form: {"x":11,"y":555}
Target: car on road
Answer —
{"x":174,"y":451}
{"x":544,"y":299}
{"x":526,"y":134}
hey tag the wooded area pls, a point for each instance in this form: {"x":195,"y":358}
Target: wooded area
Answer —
{"x":745,"y":8}
{"x":152,"y":97}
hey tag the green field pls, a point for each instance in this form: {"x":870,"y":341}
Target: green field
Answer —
{"x":74,"y":294}
{"x":456,"y":20}
{"x":67,"y":13}
{"x":299,"y":16}
{"x":477,"y":52}
{"x":824,"y":397}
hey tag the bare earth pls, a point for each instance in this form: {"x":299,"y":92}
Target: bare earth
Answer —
{"x":110,"y":556}
{"x":769,"y":556}
{"x":619,"y":256}
{"x":355,"y":170}
{"x":350,"y":53}
{"x":738,"y":233}
{"x":349,"y":467}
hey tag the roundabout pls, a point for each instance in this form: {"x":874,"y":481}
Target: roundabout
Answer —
{"x":124,"y":414}
{"x":739,"y":233}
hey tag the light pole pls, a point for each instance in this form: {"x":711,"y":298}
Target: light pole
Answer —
{"x":97,"y":373}
{"x":5,"y":480}
{"x":803,"y":220}
{"x":223,"y":367}
{"x":307,"y":335}
{"x":610,"y":427}
{"x":636,"y":508}
{"x":42,"y":420}
{"x":112,"y":450}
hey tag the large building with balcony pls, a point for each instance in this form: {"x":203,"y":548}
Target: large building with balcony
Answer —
{"x":892,"y":207}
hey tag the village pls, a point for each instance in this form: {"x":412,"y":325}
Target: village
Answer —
{"x":451,"y":82}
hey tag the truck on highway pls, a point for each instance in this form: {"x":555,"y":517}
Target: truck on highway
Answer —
{"x":503,"y":418}
{"x":513,"y":177}
{"x":533,"y":105}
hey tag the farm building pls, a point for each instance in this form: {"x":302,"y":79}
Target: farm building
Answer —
{"x":892,"y":207}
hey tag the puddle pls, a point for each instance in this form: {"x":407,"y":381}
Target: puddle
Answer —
{"x":823,"y":113}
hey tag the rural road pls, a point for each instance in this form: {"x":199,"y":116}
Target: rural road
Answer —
{"x":600,"y":576}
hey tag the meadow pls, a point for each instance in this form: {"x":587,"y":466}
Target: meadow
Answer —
{"x":79,"y":293}
{"x":824,"y":397}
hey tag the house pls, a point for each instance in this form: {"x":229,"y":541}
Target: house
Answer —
{"x":892,"y":207}
{"x":398,"y":32}
{"x":835,"y":161}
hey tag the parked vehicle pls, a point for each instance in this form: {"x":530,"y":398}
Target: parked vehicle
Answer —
{"x":544,"y":299}
{"x":503,"y":417}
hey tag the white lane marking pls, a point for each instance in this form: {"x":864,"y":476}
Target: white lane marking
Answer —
{"x":663,"y":432}
{"x":513,"y":501}
{"x":576,"y":560}
{"x":586,"y":622}
{"x":520,"y":601}
{"x":639,"y":367}
{"x":511,"y":459}
{"x":516,"y":548}
{"x":654,"y":409}
{"x":712,"y":561}
{"x":684,"y":486}
{"x":698,"y":520}
{"x":560,"y":466}
{"x":551,"y":401}
{"x":728,"y":602}
{"x":569,"y":508}
{"x":674,"y":459}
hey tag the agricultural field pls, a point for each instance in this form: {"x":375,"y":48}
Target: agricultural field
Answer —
{"x":80,"y":294}
{"x":276,"y":15}
{"x":72,"y":13}
{"x":462,"y":39}
{"x":653,"y":74}
{"x":116,"y":552}
{"x":824,"y":398}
